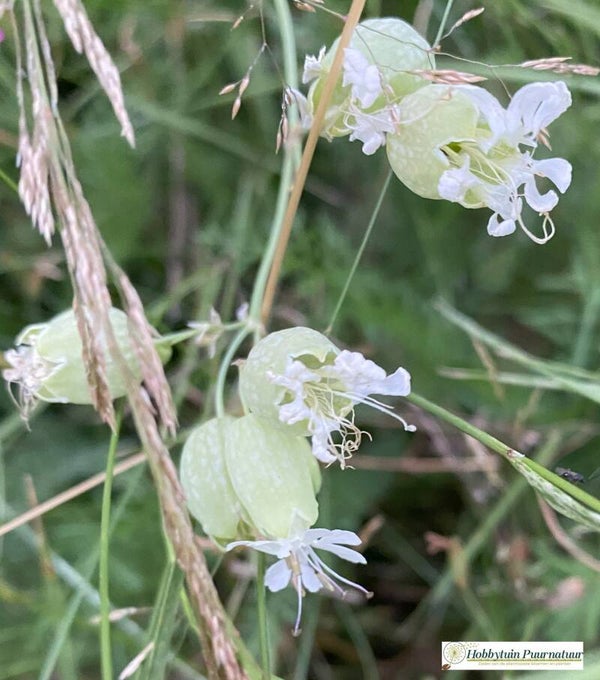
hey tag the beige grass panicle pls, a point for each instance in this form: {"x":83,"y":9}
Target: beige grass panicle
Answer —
{"x":85,"y":40}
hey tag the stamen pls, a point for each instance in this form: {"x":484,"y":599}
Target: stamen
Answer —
{"x":378,"y":406}
{"x":311,"y":554}
{"x":547,"y":227}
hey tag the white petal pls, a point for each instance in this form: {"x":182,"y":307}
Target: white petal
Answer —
{"x":310,"y":580}
{"x":490,"y":110}
{"x":536,"y":105}
{"x":279,"y":548}
{"x":345,"y":553}
{"x":321,"y":429}
{"x":351,"y":366}
{"x":317,"y":536}
{"x":497,"y":228}
{"x":455,"y":183}
{"x":324,"y":539}
{"x":313,"y":66}
{"x":363,"y":76}
{"x":542,"y":203}
{"x":278,"y":576}
{"x":370,"y":128}
{"x":294,"y":412}
{"x":397,"y":384}
{"x":304,"y":109}
{"x":557,"y":170}
{"x":320,"y":450}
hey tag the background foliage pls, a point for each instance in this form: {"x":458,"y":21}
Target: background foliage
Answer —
{"x":187,"y":214}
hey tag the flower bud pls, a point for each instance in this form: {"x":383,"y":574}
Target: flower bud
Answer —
{"x":48,"y":362}
{"x":241,"y":476}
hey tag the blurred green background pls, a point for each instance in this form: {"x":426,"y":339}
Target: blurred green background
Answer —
{"x":187,"y":215}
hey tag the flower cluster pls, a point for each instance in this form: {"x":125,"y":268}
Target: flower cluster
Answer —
{"x":243,"y":477}
{"x":252,"y":481}
{"x":453,"y":142}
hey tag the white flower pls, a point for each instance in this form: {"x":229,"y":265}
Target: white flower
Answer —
{"x":48,"y":364}
{"x":28,"y":370}
{"x":298,"y":563}
{"x":324,"y":397}
{"x":313,"y":66}
{"x":363,"y":76}
{"x":458,"y":143}
{"x":370,"y":128}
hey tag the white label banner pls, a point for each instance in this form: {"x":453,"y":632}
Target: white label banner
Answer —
{"x":496,"y":656}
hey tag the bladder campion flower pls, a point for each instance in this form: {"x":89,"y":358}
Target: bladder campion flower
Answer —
{"x":299,"y":378}
{"x":242,"y":477}
{"x":378,"y":70}
{"x":47,"y":363}
{"x":458,"y":143}
{"x":298,"y":563}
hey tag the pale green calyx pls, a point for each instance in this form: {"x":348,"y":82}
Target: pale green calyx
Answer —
{"x":271,"y":355}
{"x":47,"y":363}
{"x":209,"y":493}
{"x":244,"y":478}
{"x":274,"y":475}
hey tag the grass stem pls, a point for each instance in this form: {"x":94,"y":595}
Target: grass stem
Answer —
{"x":103,"y":588}
{"x":261,"y":611}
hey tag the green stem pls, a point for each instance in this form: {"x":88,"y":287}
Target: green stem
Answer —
{"x":288,"y":41}
{"x":260,"y":283}
{"x":175,"y":338}
{"x":360,"y":252}
{"x":8,"y":181}
{"x":290,"y":161}
{"x":504,"y":450}
{"x":224,"y":367}
{"x":440,"y":32}
{"x":105,"y":645}
{"x":261,"y":606}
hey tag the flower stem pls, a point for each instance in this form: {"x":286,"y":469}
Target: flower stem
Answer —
{"x":261,"y":611}
{"x":224,"y":367}
{"x":360,"y":252}
{"x":440,"y":33}
{"x":290,"y":160}
{"x":105,"y":643}
{"x":9,"y":181}
{"x":285,"y":228}
{"x":504,"y":450}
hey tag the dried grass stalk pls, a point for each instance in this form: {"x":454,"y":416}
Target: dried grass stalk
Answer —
{"x":50,"y":189}
{"x":218,"y":647}
{"x":85,"y":39}
{"x":153,"y":374}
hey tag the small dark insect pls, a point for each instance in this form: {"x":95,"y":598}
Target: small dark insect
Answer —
{"x":569,"y":475}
